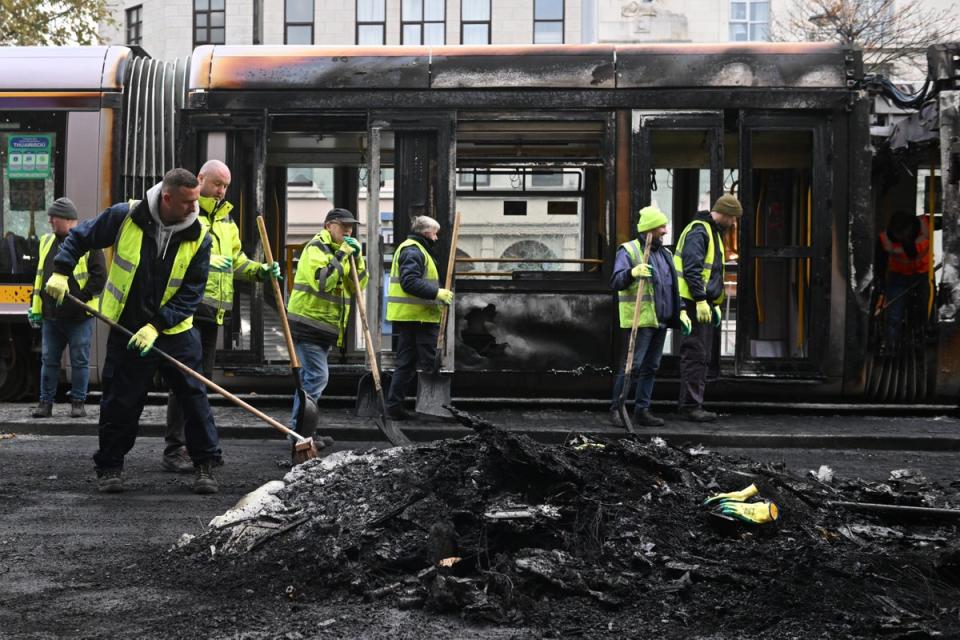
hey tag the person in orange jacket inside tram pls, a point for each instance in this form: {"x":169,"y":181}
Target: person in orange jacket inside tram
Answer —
{"x":902,"y":267}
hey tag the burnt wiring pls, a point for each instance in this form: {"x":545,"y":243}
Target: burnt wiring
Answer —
{"x":879,"y":83}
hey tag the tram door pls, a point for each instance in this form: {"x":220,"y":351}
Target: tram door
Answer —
{"x":678,"y":167}
{"x":784,"y":319}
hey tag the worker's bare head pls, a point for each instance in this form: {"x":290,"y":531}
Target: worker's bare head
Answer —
{"x":425,"y":226}
{"x":178,"y":196}
{"x":214,"y":179}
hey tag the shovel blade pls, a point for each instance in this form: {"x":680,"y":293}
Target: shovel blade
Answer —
{"x":625,"y":417}
{"x":307,"y":420}
{"x":433,"y":392}
{"x":368,"y":404}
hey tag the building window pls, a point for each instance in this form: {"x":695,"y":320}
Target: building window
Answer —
{"x":371,"y":22}
{"x":298,"y":22}
{"x":423,"y":22}
{"x":209,"y":19}
{"x":475,"y":21}
{"x":749,"y":20}
{"x":134,"y":24}
{"x":548,"y":21}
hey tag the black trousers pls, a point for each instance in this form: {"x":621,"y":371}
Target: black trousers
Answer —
{"x":695,"y":351}
{"x":128,"y":376}
{"x":176,"y":420}
{"x":416,"y":343}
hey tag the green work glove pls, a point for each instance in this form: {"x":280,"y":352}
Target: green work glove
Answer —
{"x":715,"y":310}
{"x":57,"y":287}
{"x":704,"y":315}
{"x":35,"y":319}
{"x":223,"y":264}
{"x":752,"y":512}
{"x":642,"y":271}
{"x":353,"y":243}
{"x":734,"y":496}
{"x":143,"y":340}
{"x":686,"y":327}
{"x":445,"y":296}
{"x":271,"y":270}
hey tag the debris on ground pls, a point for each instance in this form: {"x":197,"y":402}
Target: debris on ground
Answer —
{"x":596,"y":538}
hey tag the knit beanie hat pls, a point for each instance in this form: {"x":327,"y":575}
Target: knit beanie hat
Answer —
{"x":728,"y":204}
{"x":63,"y":208}
{"x":650,"y":218}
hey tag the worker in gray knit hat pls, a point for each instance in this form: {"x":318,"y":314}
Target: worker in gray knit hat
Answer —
{"x":699,"y":260}
{"x":67,"y":324}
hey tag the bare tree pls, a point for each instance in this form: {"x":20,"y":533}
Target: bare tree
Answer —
{"x":52,"y":22}
{"x":889,"y":31}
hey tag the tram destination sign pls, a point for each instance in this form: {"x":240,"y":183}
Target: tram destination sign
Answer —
{"x":29,"y":156}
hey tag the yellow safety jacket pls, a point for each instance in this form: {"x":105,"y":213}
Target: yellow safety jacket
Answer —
{"x":324,"y":305}
{"x":403,"y":307}
{"x":707,"y":260}
{"x":80,"y":274}
{"x":218,"y":294}
{"x":627,"y":298}
{"x":123,"y":268}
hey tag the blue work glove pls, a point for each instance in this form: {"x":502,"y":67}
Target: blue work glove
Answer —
{"x":686,"y":327}
{"x":751,"y":512}
{"x":57,"y":287}
{"x":35,"y":319}
{"x":704,"y":315}
{"x":445,"y":296}
{"x":143,"y":339}
{"x":271,"y":270}
{"x":221,"y":264}
{"x":715,"y":310}
{"x":642,"y":271}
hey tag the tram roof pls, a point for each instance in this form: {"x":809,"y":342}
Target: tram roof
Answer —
{"x":800,"y":65}
{"x":46,"y":69}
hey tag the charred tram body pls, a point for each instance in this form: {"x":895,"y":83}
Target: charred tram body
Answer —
{"x":548,"y":153}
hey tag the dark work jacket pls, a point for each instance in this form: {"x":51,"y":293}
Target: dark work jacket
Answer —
{"x":693,"y":255}
{"x":666,"y":290}
{"x":97,"y":277}
{"x":150,"y":281}
{"x":413,"y":267}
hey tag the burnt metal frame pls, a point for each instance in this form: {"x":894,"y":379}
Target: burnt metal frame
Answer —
{"x":488,"y":22}
{"x":370,"y":23}
{"x":209,"y":13}
{"x":312,"y":23}
{"x":134,"y":24}
{"x":422,"y":22}
{"x":562,"y":21}
{"x":822,"y":187}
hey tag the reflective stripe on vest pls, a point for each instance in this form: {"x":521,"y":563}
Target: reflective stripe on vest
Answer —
{"x":309,"y":304}
{"x":123,"y":268}
{"x":403,"y":307}
{"x":80,"y":274}
{"x":897,"y":259}
{"x":707,"y":261}
{"x":627,"y":299}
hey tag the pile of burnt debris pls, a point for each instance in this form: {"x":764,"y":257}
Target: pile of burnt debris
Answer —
{"x":597,"y":538}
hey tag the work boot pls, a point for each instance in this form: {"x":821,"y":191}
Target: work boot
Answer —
{"x":397,"y":413}
{"x":110,"y":480}
{"x":644,"y":418}
{"x":177,"y":461}
{"x":697,"y":414}
{"x":43,"y":410}
{"x":615,"y":419}
{"x":77,"y":409}
{"x":203,"y":481}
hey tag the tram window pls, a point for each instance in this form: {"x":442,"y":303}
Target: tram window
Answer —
{"x":781,"y":308}
{"x":782,"y":165}
{"x":27,"y":184}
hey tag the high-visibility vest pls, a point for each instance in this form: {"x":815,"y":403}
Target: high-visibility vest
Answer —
{"x":225,"y":237}
{"x":707,"y":260}
{"x":627,"y":299}
{"x":123,"y":268}
{"x":897,"y":259}
{"x":404,"y":307}
{"x":324,"y":306}
{"x":80,"y":274}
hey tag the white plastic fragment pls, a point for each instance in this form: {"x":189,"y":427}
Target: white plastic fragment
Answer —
{"x":257,"y":502}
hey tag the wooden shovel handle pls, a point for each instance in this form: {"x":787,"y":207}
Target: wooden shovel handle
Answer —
{"x":628,"y":365}
{"x":281,"y":308}
{"x":448,"y":283}
{"x":367,"y":339}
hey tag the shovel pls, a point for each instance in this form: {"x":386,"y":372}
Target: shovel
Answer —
{"x":628,"y":366}
{"x":433,"y":390}
{"x":308,"y":415}
{"x":394,"y":435}
{"x":303,"y":449}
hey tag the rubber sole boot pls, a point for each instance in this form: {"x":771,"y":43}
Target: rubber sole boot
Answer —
{"x":644,"y":418}
{"x":77,"y":410}
{"x":177,"y":461}
{"x":615,"y":419}
{"x":203,"y":482}
{"x":43,"y":410}
{"x":110,"y":481}
{"x":698,"y":415}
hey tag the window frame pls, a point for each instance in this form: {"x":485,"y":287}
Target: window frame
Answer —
{"x":422,"y":23}
{"x":369,"y":23}
{"x":488,"y":22}
{"x":287,"y":24}
{"x":209,"y":13}
{"x":562,"y":21}
{"x":747,"y":21}
{"x":138,"y":24}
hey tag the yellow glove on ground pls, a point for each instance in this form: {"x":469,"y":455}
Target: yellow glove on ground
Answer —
{"x":716,"y":315}
{"x":642,"y":271}
{"x":445,"y":296}
{"x":737,"y":496}
{"x":686,"y":327}
{"x":220,"y":263}
{"x":704,"y":315}
{"x":752,"y":512}
{"x":143,"y":340}
{"x":57,"y":287}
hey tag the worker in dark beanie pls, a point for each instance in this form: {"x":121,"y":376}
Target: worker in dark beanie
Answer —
{"x":699,"y":259}
{"x":64,"y":325}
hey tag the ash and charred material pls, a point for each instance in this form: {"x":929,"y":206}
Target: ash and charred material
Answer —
{"x":569,"y":538}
